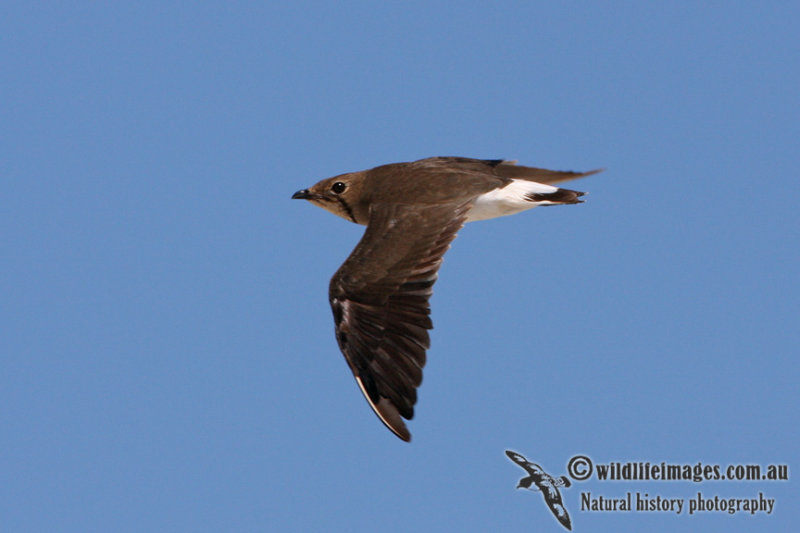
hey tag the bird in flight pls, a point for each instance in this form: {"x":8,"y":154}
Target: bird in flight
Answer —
{"x":545,"y":483}
{"x":412,"y":212}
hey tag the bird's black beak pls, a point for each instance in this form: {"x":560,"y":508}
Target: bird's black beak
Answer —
{"x":301,"y":195}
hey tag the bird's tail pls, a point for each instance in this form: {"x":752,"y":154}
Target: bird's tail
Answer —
{"x":557,"y":197}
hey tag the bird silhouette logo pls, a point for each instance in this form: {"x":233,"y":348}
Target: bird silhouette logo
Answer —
{"x":538,"y":479}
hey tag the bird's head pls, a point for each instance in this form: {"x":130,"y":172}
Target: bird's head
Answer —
{"x":342,"y":195}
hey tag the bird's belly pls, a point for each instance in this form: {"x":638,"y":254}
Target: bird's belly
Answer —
{"x":485,"y":211}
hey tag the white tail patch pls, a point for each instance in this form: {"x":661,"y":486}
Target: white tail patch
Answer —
{"x":509,"y":200}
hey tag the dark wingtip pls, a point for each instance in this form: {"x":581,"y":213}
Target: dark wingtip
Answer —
{"x":591,"y":172}
{"x":390,"y":416}
{"x":386,"y":411}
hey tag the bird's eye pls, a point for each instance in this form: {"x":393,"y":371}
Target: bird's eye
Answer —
{"x":338,"y":187}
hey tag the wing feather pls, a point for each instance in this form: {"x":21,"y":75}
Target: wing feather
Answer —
{"x":379,"y":299}
{"x":509,"y":169}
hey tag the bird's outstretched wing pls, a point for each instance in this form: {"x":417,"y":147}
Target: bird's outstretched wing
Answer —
{"x":531,"y":468}
{"x":379,"y":298}
{"x":552,"y":497}
{"x":509,"y":169}
{"x":503,"y":169}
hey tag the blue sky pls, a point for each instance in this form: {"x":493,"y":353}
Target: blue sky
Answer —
{"x":168,"y":360}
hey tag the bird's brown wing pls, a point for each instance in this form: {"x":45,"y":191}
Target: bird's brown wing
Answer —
{"x":509,"y":169}
{"x":379,"y":298}
{"x":502,"y":168}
